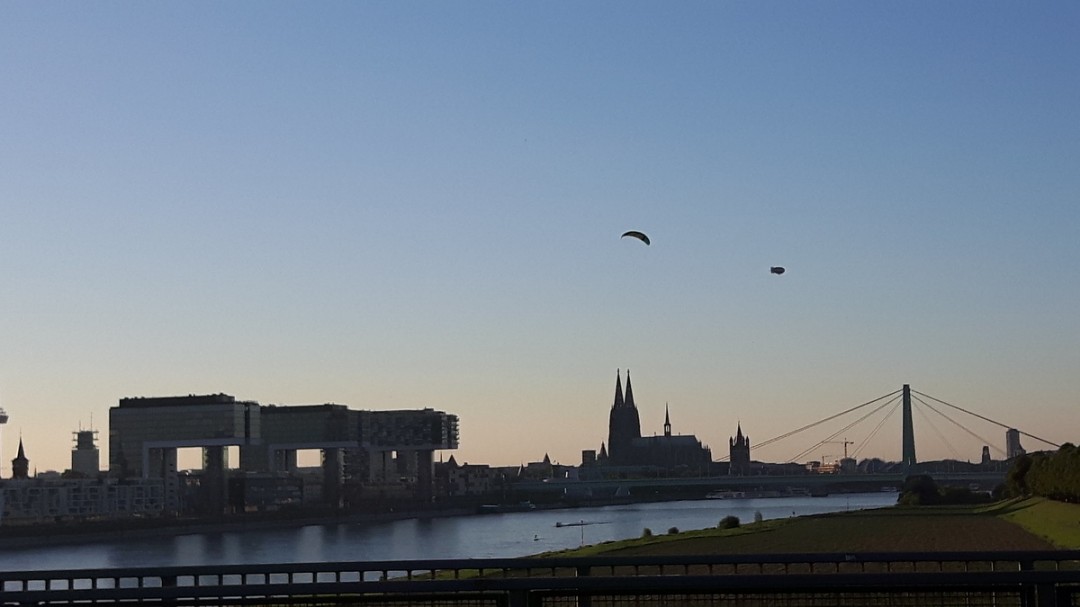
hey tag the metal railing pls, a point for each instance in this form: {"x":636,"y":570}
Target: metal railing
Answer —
{"x":1044,"y":578}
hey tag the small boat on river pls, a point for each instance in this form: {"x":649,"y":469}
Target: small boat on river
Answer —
{"x":731,"y":494}
{"x":501,"y":508}
{"x":580,"y":523}
{"x":725,"y":495}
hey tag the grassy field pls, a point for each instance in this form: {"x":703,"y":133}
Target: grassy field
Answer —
{"x":1056,"y":522}
{"x":1015,"y":525}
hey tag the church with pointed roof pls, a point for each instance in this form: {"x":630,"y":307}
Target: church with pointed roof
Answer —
{"x":739,"y":452}
{"x":20,"y":466}
{"x":626,"y":447}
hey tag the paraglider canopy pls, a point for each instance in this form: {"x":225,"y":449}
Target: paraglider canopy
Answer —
{"x":776,"y":270}
{"x":639,"y":235}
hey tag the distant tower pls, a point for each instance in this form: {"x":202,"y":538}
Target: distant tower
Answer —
{"x":908,"y":437}
{"x":84,"y":457}
{"x":20,"y":466}
{"x":986,"y":455}
{"x":1012,"y":443}
{"x":624,"y":425}
{"x":667,"y":421}
{"x":3,"y":420}
{"x":739,"y":454}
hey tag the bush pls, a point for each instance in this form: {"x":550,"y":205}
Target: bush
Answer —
{"x":646,"y":532}
{"x":673,"y":531}
{"x":757,"y":517}
{"x":919,"y":490}
{"x":963,"y":495}
{"x":728,"y":522}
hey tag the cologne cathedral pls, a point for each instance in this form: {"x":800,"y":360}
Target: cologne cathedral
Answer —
{"x":627,"y":448}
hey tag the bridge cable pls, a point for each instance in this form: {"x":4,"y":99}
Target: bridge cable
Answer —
{"x":877,"y":428}
{"x":959,"y":425}
{"x":845,"y":428}
{"x":895,"y":399}
{"x":933,"y":427}
{"x":821,"y":421}
{"x":842,"y":430}
{"x":984,"y":418}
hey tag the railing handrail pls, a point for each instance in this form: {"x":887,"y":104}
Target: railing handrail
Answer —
{"x":541,"y":562}
{"x":793,"y":583}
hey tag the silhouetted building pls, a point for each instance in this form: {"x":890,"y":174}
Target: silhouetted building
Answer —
{"x":543,"y":469}
{"x":624,"y":425}
{"x":1012,"y":443}
{"x":77,"y":499}
{"x":85,"y":459}
{"x":145,"y":433}
{"x":454,"y":480}
{"x":20,"y":466}
{"x":739,"y":454}
{"x":265,"y":492}
{"x":389,"y":452}
{"x":285,"y":430}
{"x":986,"y":455}
{"x":627,"y":448}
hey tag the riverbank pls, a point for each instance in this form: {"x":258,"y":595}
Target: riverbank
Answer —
{"x":1032,"y":524}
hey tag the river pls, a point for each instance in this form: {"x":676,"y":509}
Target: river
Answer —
{"x":475,"y":536}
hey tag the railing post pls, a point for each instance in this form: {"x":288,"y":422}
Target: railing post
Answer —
{"x":1048,"y":595}
{"x":584,"y":600}
{"x":519,"y":598}
{"x":1029,"y":593}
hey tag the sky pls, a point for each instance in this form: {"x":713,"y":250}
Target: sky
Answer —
{"x":396,"y":205}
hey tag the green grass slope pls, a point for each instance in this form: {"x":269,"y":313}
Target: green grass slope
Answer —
{"x":1055,"y":522}
{"x":1015,"y":525}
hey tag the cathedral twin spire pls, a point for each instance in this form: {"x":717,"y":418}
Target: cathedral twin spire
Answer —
{"x":620,"y":402}
{"x":624,"y":425}
{"x":627,"y":447}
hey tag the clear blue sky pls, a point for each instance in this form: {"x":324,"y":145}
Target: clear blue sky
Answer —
{"x":418,"y":204}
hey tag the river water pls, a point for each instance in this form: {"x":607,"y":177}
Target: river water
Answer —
{"x":476,"y":536}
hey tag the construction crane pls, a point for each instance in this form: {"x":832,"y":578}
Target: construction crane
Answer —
{"x":844,"y":442}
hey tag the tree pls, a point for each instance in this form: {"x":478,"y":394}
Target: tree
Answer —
{"x":1016,"y":483}
{"x":919,"y":490}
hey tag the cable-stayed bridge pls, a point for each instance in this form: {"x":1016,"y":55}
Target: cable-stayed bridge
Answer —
{"x":795,"y":473}
{"x":908,"y":401}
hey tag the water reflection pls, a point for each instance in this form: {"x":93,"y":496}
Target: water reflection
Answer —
{"x":478,"y":536}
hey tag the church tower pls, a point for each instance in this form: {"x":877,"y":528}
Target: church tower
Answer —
{"x":667,"y":421}
{"x":20,"y":466}
{"x":624,"y":424}
{"x":739,"y":454}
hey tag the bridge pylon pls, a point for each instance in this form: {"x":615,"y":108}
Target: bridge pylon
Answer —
{"x":908,"y":444}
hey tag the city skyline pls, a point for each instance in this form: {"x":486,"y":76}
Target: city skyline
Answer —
{"x":191,"y":457}
{"x":408,"y":206}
